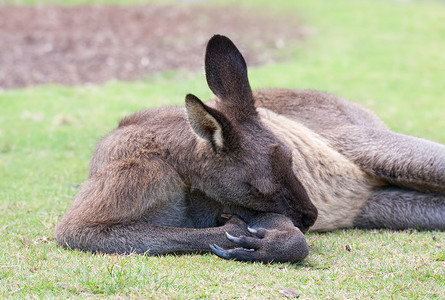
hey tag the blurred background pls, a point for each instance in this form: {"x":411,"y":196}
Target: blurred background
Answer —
{"x":82,"y":44}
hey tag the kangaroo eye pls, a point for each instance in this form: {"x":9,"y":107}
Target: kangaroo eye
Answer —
{"x":253,"y":191}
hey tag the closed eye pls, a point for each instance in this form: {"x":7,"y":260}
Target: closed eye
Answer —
{"x":253,"y":191}
{"x":285,"y":199}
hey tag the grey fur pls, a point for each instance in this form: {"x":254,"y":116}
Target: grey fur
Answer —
{"x":401,"y":209}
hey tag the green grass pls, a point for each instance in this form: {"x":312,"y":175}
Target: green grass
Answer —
{"x":387,"y":55}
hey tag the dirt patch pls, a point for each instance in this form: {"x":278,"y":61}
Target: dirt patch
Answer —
{"x":93,"y":44}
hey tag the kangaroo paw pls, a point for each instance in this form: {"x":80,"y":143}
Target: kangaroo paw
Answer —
{"x":265,"y":246}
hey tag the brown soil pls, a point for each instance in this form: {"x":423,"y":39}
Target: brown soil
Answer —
{"x":93,"y":44}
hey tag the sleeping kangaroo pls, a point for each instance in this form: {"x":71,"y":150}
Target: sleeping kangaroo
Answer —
{"x":246,"y":175}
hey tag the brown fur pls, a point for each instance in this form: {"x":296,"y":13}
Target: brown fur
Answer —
{"x":247,"y":169}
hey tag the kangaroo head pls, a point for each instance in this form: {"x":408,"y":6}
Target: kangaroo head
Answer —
{"x":245,"y":163}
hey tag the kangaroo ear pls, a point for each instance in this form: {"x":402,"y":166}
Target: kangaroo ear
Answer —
{"x":226,"y":74}
{"x":210,"y":124}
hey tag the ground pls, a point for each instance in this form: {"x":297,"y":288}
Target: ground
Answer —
{"x":93,"y":44}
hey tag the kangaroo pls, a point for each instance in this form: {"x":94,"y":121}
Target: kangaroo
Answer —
{"x":246,"y":175}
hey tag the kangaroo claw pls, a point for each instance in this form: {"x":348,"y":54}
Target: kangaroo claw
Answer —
{"x":219,"y":251}
{"x":232,"y":238}
{"x":240,"y":254}
{"x":246,"y":242}
{"x":252,"y":230}
{"x":257,"y":232}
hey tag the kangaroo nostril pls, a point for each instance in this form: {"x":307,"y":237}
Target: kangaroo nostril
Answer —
{"x":307,"y":221}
